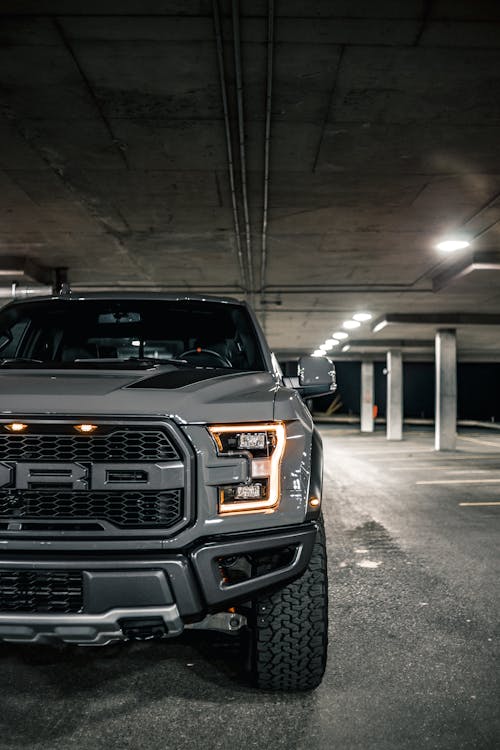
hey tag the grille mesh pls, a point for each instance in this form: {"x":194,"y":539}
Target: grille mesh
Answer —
{"x":127,"y":508}
{"x":41,"y":591}
{"x":118,"y":445}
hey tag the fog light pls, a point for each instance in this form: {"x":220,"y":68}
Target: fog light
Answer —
{"x":234,"y":493}
{"x":248,"y":492}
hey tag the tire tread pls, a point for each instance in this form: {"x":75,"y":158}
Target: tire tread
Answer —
{"x":291,"y":629}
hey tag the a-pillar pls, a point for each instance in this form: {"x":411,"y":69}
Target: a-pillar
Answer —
{"x":367,"y":397}
{"x":394,"y":395}
{"x":446,"y":391}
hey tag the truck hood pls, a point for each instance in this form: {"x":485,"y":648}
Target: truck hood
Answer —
{"x":186,"y":395}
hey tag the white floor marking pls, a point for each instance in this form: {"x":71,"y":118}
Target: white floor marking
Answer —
{"x":477,"y":440}
{"x":471,"y":505}
{"x":368,"y":564}
{"x":404,"y":452}
{"x":472,"y":471}
{"x":459,"y":481}
{"x":463,"y":457}
{"x":418,"y":467}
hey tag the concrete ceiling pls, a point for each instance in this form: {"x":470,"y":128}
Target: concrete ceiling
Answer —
{"x":384,"y":137}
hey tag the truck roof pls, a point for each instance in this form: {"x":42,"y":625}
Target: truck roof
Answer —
{"x":129,"y":295}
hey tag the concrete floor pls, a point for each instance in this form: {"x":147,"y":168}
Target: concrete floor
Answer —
{"x":414,"y":612}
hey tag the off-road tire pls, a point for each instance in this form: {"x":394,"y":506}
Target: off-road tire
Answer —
{"x":290,"y":629}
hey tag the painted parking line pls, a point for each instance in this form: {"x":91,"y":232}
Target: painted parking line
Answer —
{"x":481,"y":442}
{"x":404,"y":453}
{"x":459,"y":481}
{"x":465,"y":456}
{"x":449,"y":469}
{"x":472,"y":505}
{"x":473,"y":471}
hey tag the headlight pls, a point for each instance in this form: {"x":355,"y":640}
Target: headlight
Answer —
{"x":264,"y":445}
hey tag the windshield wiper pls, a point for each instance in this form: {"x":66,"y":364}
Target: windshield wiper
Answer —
{"x":100,"y":362}
{"x":21,"y":360}
{"x":157,"y":360}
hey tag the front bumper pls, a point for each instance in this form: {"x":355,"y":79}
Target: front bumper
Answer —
{"x":121,"y":591}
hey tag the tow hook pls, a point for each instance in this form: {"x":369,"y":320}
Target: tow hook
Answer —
{"x":224,"y":622}
{"x":143,"y":628}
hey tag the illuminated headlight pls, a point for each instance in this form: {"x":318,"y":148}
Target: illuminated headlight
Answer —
{"x":264,"y":446}
{"x":252,"y":440}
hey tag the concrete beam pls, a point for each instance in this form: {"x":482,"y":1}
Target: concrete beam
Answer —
{"x":18,"y":268}
{"x":367,"y":396}
{"x":446,"y":391}
{"x":438,"y":319}
{"x":385,"y":344}
{"x":394,"y":395}
{"x":479,"y":260}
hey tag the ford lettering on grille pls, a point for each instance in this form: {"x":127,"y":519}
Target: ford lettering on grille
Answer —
{"x":89,"y":476}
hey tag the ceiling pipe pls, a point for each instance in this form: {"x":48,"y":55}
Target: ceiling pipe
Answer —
{"x":267,"y":141}
{"x":241,"y":136}
{"x":229,"y":144}
{"x":14,"y":291}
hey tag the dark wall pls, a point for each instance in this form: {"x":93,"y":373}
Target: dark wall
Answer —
{"x":478,"y":390}
{"x":349,"y":387}
{"x":418,"y":389}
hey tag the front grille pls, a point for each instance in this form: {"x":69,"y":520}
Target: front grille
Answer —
{"x":41,"y":591}
{"x":125,"y":508}
{"x":118,"y":445}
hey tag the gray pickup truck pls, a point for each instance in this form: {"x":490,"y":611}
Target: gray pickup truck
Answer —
{"x":158,"y":473}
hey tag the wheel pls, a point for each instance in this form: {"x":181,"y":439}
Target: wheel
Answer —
{"x":289,"y":629}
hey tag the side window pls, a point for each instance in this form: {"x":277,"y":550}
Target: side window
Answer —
{"x":11,"y":339}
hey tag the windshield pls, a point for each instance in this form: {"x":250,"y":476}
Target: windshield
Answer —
{"x":204,"y":334}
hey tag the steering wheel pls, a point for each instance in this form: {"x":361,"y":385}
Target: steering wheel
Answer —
{"x":221,"y":360}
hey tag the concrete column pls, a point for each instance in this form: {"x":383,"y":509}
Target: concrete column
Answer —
{"x":446,"y":391}
{"x":367,"y":397}
{"x":394,"y":395}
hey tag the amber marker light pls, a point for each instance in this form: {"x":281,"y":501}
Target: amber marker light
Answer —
{"x":314,"y":502}
{"x":16,"y":427}
{"x":85,"y":429}
{"x":268,"y":467}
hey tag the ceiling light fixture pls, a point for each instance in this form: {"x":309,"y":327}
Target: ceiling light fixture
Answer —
{"x":340,"y":335}
{"x":346,"y":348}
{"x":332,"y":342}
{"x":349,"y":324}
{"x":318,"y":353}
{"x":382,"y":324}
{"x":362,"y":316}
{"x":451,"y":245}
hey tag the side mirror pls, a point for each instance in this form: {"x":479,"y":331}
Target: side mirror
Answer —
{"x":316,"y":377}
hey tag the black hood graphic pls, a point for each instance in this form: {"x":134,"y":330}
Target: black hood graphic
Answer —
{"x":181,"y":378}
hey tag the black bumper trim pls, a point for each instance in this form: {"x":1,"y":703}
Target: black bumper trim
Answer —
{"x":216,"y":591}
{"x":193,"y":576}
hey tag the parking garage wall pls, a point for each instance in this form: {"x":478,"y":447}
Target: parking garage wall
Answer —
{"x":478,"y":390}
